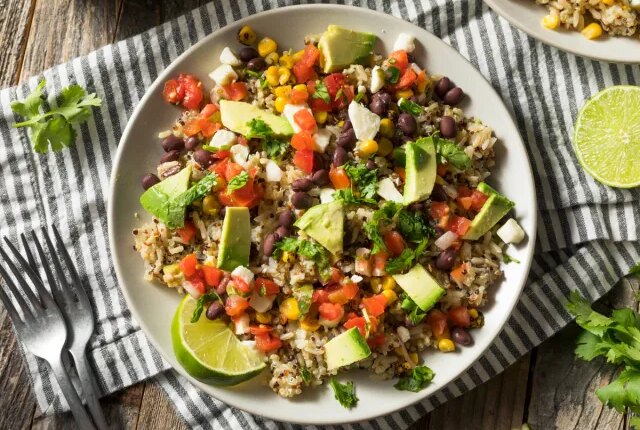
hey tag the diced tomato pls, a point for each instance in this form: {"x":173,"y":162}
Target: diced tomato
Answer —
{"x":359,"y":322}
{"x":193,"y":127}
{"x":464,"y":191}
{"x":298,"y":97}
{"x":173,"y":93}
{"x":209,"y":128}
{"x":220,"y":155}
{"x":399,"y":59}
{"x":319,"y":105}
{"x":193,"y":92}
{"x":242,"y":140}
{"x":437,"y":320}
{"x":302,"y":72}
{"x":220,"y":167}
{"x":342,"y":295}
{"x":310,"y":55}
{"x":305,"y":120}
{"x":241,"y":285}
{"x":341,"y":101}
{"x":478,"y":199}
{"x":407,"y":78}
{"x":266,"y":287}
{"x":188,"y":265}
{"x":247,"y":196}
{"x":334,"y":82}
{"x":442,"y":169}
{"x":438,"y":210}
{"x":375,"y":304}
{"x":208,"y":110}
{"x":303,"y":159}
{"x":201,"y":125}
{"x":234,"y":91}
{"x":260,"y":329}
{"x":232,"y":170}
{"x":212,"y":275}
{"x":320,"y":296}
{"x":266,"y":343}
{"x":464,"y":202}
{"x":394,"y":242}
{"x":188,"y":232}
{"x":379,"y":262}
{"x":235,"y":305}
{"x":336,"y":275}
{"x":339,"y":178}
{"x":331,"y":311}
{"x":302,"y":140}
{"x":459,"y":316}
{"x":350,"y":290}
{"x":376,"y":341}
{"x":459,"y":225}
{"x":363,"y":266}
{"x":457,"y":274}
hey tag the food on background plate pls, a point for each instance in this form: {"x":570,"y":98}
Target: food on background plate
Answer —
{"x":323,"y":209}
{"x":593,"y":17}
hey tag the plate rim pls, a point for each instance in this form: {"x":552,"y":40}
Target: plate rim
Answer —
{"x":501,"y":318}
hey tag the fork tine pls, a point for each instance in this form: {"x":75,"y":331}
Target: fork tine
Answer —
{"x":8,"y":305}
{"x":62,"y":285}
{"x":80,"y":292}
{"x":45,"y":297}
{"x":15,"y":292}
{"x":27,"y":249}
{"x":47,"y":270}
{"x":31,"y":297}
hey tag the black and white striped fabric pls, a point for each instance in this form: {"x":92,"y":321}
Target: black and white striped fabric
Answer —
{"x":587,"y":237}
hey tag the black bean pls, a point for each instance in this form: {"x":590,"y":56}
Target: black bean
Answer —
{"x":377,"y":106}
{"x":461,"y":336}
{"x":269,"y":244}
{"x":370,"y":164}
{"x":446,"y":259}
{"x":192,"y":143}
{"x":347,"y":125}
{"x":407,"y":123}
{"x":301,"y":200}
{"x":415,"y":99}
{"x":222,"y":286}
{"x":172,"y":142}
{"x":281,"y":232}
{"x":448,"y":127}
{"x":257,"y":64}
{"x":383,"y":96}
{"x":214,"y":310}
{"x":170,"y":156}
{"x":347,"y":139}
{"x":321,"y":177}
{"x":438,"y":194}
{"x":453,"y":96}
{"x":149,"y":180}
{"x":286,"y":218}
{"x":302,"y":184}
{"x":319,"y":161}
{"x":340,"y":156}
{"x":247,"y":54}
{"x":203,"y":157}
{"x":442,"y":87}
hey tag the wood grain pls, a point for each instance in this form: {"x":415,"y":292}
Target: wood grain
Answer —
{"x":15,"y":19}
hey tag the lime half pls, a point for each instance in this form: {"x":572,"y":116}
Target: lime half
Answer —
{"x":607,"y":136}
{"x":209,"y":351}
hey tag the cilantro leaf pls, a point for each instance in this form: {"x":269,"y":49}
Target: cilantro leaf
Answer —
{"x":406,"y":259}
{"x":344,"y":393}
{"x":623,"y":392}
{"x":196,"y":192}
{"x":348,"y":197}
{"x":321,"y":92}
{"x":54,"y":128}
{"x":418,"y":379}
{"x":203,"y":300}
{"x":238,"y":181}
{"x":303,"y":294}
{"x":452,"y":153}
{"x":365,"y":180}
{"x":414,"y":226}
{"x":587,"y":318}
{"x":384,"y":215}
{"x":274,"y":147}
{"x":305,"y":374}
{"x":414,"y":313}
{"x":308,"y":249}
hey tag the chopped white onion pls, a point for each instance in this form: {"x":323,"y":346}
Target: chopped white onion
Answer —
{"x":261,"y":303}
{"x":241,"y":324}
{"x":191,"y":289}
{"x":511,"y":232}
{"x":446,"y":240}
{"x":273,"y":172}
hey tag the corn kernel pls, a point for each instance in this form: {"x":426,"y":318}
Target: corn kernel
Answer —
{"x":387,"y":129}
{"x":266,"y":46}
{"x":398,"y":351}
{"x":309,"y":324}
{"x":388,"y":283}
{"x":289,"y":308}
{"x":414,"y":357}
{"x":301,"y":87}
{"x":446,"y":345}
{"x":407,"y":94}
{"x":421,"y":87}
{"x":272,"y":75}
{"x":263,"y":317}
{"x":285,"y":75}
{"x":376,"y":285}
{"x":282,"y":91}
{"x":286,"y":60}
{"x":368,"y":147}
{"x":390,"y":295}
{"x":220,"y":184}
{"x":279,"y":104}
{"x":551,"y":21}
{"x":171,"y":269}
{"x":320,"y":116}
{"x":592,"y":31}
{"x":297,"y":56}
{"x":406,"y":365}
{"x":210,"y":205}
{"x":247,"y":36}
{"x":287,"y":257}
{"x":384,"y":147}
{"x":271,"y":59}
{"x":609,"y":2}
{"x":473,"y":313}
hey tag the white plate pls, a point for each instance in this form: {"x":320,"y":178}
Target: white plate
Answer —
{"x":527,"y":16}
{"x":153,"y":305}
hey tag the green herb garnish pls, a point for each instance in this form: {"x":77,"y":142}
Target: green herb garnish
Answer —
{"x":382,"y":216}
{"x":202,"y":301}
{"x":364,"y":179}
{"x":54,"y":127}
{"x":418,"y":379}
{"x":393,"y":74}
{"x":274,"y":147}
{"x":345,"y":393}
{"x":414,"y":313}
{"x":197,"y":191}
{"x":305,"y":374}
{"x":414,"y":226}
{"x":238,"y":181}
{"x":635,"y":270}
{"x":406,"y":259}
{"x":321,"y":92}
{"x":348,"y":197}
{"x":308,"y":249}
{"x":451,"y":152}
{"x":303,"y":294}
{"x":253,"y":73}
{"x":409,"y":107}
{"x":508,"y":259}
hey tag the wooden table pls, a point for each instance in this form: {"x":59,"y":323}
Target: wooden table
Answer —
{"x":548,"y":388}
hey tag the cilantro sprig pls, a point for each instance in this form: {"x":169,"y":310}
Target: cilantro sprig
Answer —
{"x":406,"y":259}
{"x":321,"y":92}
{"x":308,"y":249}
{"x":53,"y":128}
{"x":238,"y":181}
{"x":415,"y":381}
{"x":344,"y":393}
{"x":452,"y":153}
{"x":202,"y":301}
{"x":274,"y":147}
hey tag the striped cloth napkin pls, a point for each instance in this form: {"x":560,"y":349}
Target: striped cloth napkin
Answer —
{"x":587,"y":238}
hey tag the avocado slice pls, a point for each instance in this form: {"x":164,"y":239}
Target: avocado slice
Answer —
{"x":341,"y":47}
{"x":158,"y":200}
{"x":235,"y":242}
{"x":420,"y":169}
{"x":325,"y":224}
{"x":346,"y":348}
{"x":496,"y":207}
{"x":236,"y":115}
{"x":423,"y":288}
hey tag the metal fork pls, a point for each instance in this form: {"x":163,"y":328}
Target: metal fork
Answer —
{"x":72,"y":299}
{"x":41,"y":328}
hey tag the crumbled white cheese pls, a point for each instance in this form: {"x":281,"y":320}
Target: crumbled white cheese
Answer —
{"x":241,"y":324}
{"x":388,"y":191}
{"x":356,"y":279}
{"x":240,"y":154}
{"x":377,"y":79}
{"x":223,"y":75}
{"x":243,"y":273}
{"x":405,"y":41}
{"x":290,"y":110}
{"x":273,"y":172}
{"x":228,"y":57}
{"x":511,"y":232}
{"x":223,"y":139}
{"x":326,"y":195}
{"x":365,"y":123}
{"x":321,"y":140}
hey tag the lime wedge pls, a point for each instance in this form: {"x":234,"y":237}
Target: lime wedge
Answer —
{"x":607,"y":136}
{"x":209,"y":351}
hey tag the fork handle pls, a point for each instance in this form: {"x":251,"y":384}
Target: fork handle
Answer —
{"x":70,"y":394}
{"x":90,"y":389}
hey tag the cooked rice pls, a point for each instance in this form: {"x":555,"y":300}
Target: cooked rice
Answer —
{"x":618,"y":18}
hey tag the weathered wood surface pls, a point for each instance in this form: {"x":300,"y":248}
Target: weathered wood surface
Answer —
{"x":547,"y":388}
